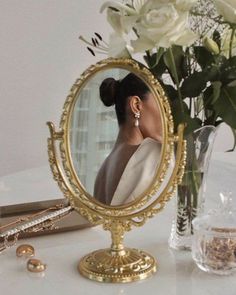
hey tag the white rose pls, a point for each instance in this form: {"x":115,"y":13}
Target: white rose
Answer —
{"x":161,"y":24}
{"x":185,"y":5}
{"x":227,"y":8}
{"x":138,"y":4}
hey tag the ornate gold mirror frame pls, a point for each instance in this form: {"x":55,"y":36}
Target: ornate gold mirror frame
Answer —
{"x":117,"y":263}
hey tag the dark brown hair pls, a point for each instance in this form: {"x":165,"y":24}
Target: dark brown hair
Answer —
{"x":116,"y":92}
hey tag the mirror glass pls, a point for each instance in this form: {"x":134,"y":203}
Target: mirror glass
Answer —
{"x":115,"y":136}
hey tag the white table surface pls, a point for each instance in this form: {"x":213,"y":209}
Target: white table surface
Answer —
{"x":177,"y":273}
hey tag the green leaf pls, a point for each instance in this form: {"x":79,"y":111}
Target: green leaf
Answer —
{"x":220,"y":60}
{"x":212,"y":73}
{"x":199,"y":103}
{"x":192,"y":124}
{"x":203,"y":56}
{"x":228,"y":70}
{"x":153,"y":60}
{"x":180,"y":117}
{"x":170,"y":91}
{"x":194,"y":85}
{"x":216,"y":91}
{"x":207,"y":97}
{"x":160,"y":67}
{"x":185,"y":66}
{"x":178,"y":54}
{"x":225,"y":105}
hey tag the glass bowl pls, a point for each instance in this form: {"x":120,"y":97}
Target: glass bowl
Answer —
{"x":214,"y":239}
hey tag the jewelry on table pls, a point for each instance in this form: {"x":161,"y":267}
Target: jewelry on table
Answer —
{"x":25,"y":250}
{"x":32,"y":223}
{"x":35,"y":265}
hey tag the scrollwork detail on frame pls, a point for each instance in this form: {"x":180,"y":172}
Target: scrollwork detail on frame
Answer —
{"x":117,"y":219}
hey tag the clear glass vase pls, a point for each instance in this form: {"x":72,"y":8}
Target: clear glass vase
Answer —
{"x":190,"y":193}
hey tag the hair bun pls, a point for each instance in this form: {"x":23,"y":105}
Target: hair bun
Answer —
{"x":108,"y":91}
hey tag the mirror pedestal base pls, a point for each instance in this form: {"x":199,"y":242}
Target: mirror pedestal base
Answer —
{"x":124,"y":266}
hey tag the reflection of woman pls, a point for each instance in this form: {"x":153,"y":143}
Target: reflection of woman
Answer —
{"x":132,"y":163}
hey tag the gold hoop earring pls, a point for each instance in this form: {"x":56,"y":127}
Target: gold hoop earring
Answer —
{"x":136,"y":116}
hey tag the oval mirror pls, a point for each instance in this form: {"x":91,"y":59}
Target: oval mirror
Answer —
{"x":116,"y":163}
{"x":115,"y":136}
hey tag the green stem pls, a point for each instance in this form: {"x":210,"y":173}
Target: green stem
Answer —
{"x":176,"y":80}
{"x":231,"y":42}
{"x":190,"y":105}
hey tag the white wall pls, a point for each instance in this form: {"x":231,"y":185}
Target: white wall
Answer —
{"x":40,"y":58}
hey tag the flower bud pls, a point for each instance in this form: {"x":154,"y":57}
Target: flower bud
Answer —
{"x":211,"y":45}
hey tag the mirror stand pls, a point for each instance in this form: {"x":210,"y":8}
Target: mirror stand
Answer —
{"x":117,"y":264}
{"x":82,"y":111}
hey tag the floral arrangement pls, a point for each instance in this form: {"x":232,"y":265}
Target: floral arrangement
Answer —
{"x":189,"y":45}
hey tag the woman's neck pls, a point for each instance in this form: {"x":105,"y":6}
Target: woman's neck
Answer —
{"x":130,"y":135}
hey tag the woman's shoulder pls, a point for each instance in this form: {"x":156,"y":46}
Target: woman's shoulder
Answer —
{"x":151,"y":142}
{"x":149,"y":147}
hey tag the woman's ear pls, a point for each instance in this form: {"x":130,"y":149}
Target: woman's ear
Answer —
{"x":135,"y":104}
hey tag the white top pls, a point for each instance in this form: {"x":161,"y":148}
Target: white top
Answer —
{"x":139,"y":172}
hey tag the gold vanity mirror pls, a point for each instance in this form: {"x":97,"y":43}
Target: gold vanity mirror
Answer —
{"x":113,"y":158}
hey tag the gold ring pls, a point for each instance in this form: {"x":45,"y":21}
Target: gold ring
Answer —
{"x":25,"y":250}
{"x":35,"y":265}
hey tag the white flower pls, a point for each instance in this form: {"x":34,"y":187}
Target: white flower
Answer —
{"x":128,"y":7}
{"x":114,"y":19}
{"x":227,"y":8}
{"x":226,"y":43}
{"x":138,"y":4}
{"x":122,"y":24}
{"x":211,"y":45}
{"x":161,"y":24}
{"x":120,"y":19}
{"x":118,"y":6}
{"x":157,"y":23}
{"x":185,"y":5}
{"x":118,"y":47}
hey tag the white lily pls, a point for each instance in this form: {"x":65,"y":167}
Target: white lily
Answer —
{"x":118,"y":47}
{"x":119,"y":6}
{"x":138,"y":4}
{"x":114,"y":19}
{"x":142,"y":43}
{"x":120,"y":23}
{"x":129,"y":7}
{"x":227,"y":8}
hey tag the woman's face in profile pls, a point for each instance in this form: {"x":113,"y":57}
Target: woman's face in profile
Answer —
{"x":150,"y":118}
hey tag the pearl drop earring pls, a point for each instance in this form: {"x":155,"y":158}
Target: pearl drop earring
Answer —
{"x":136,"y":122}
